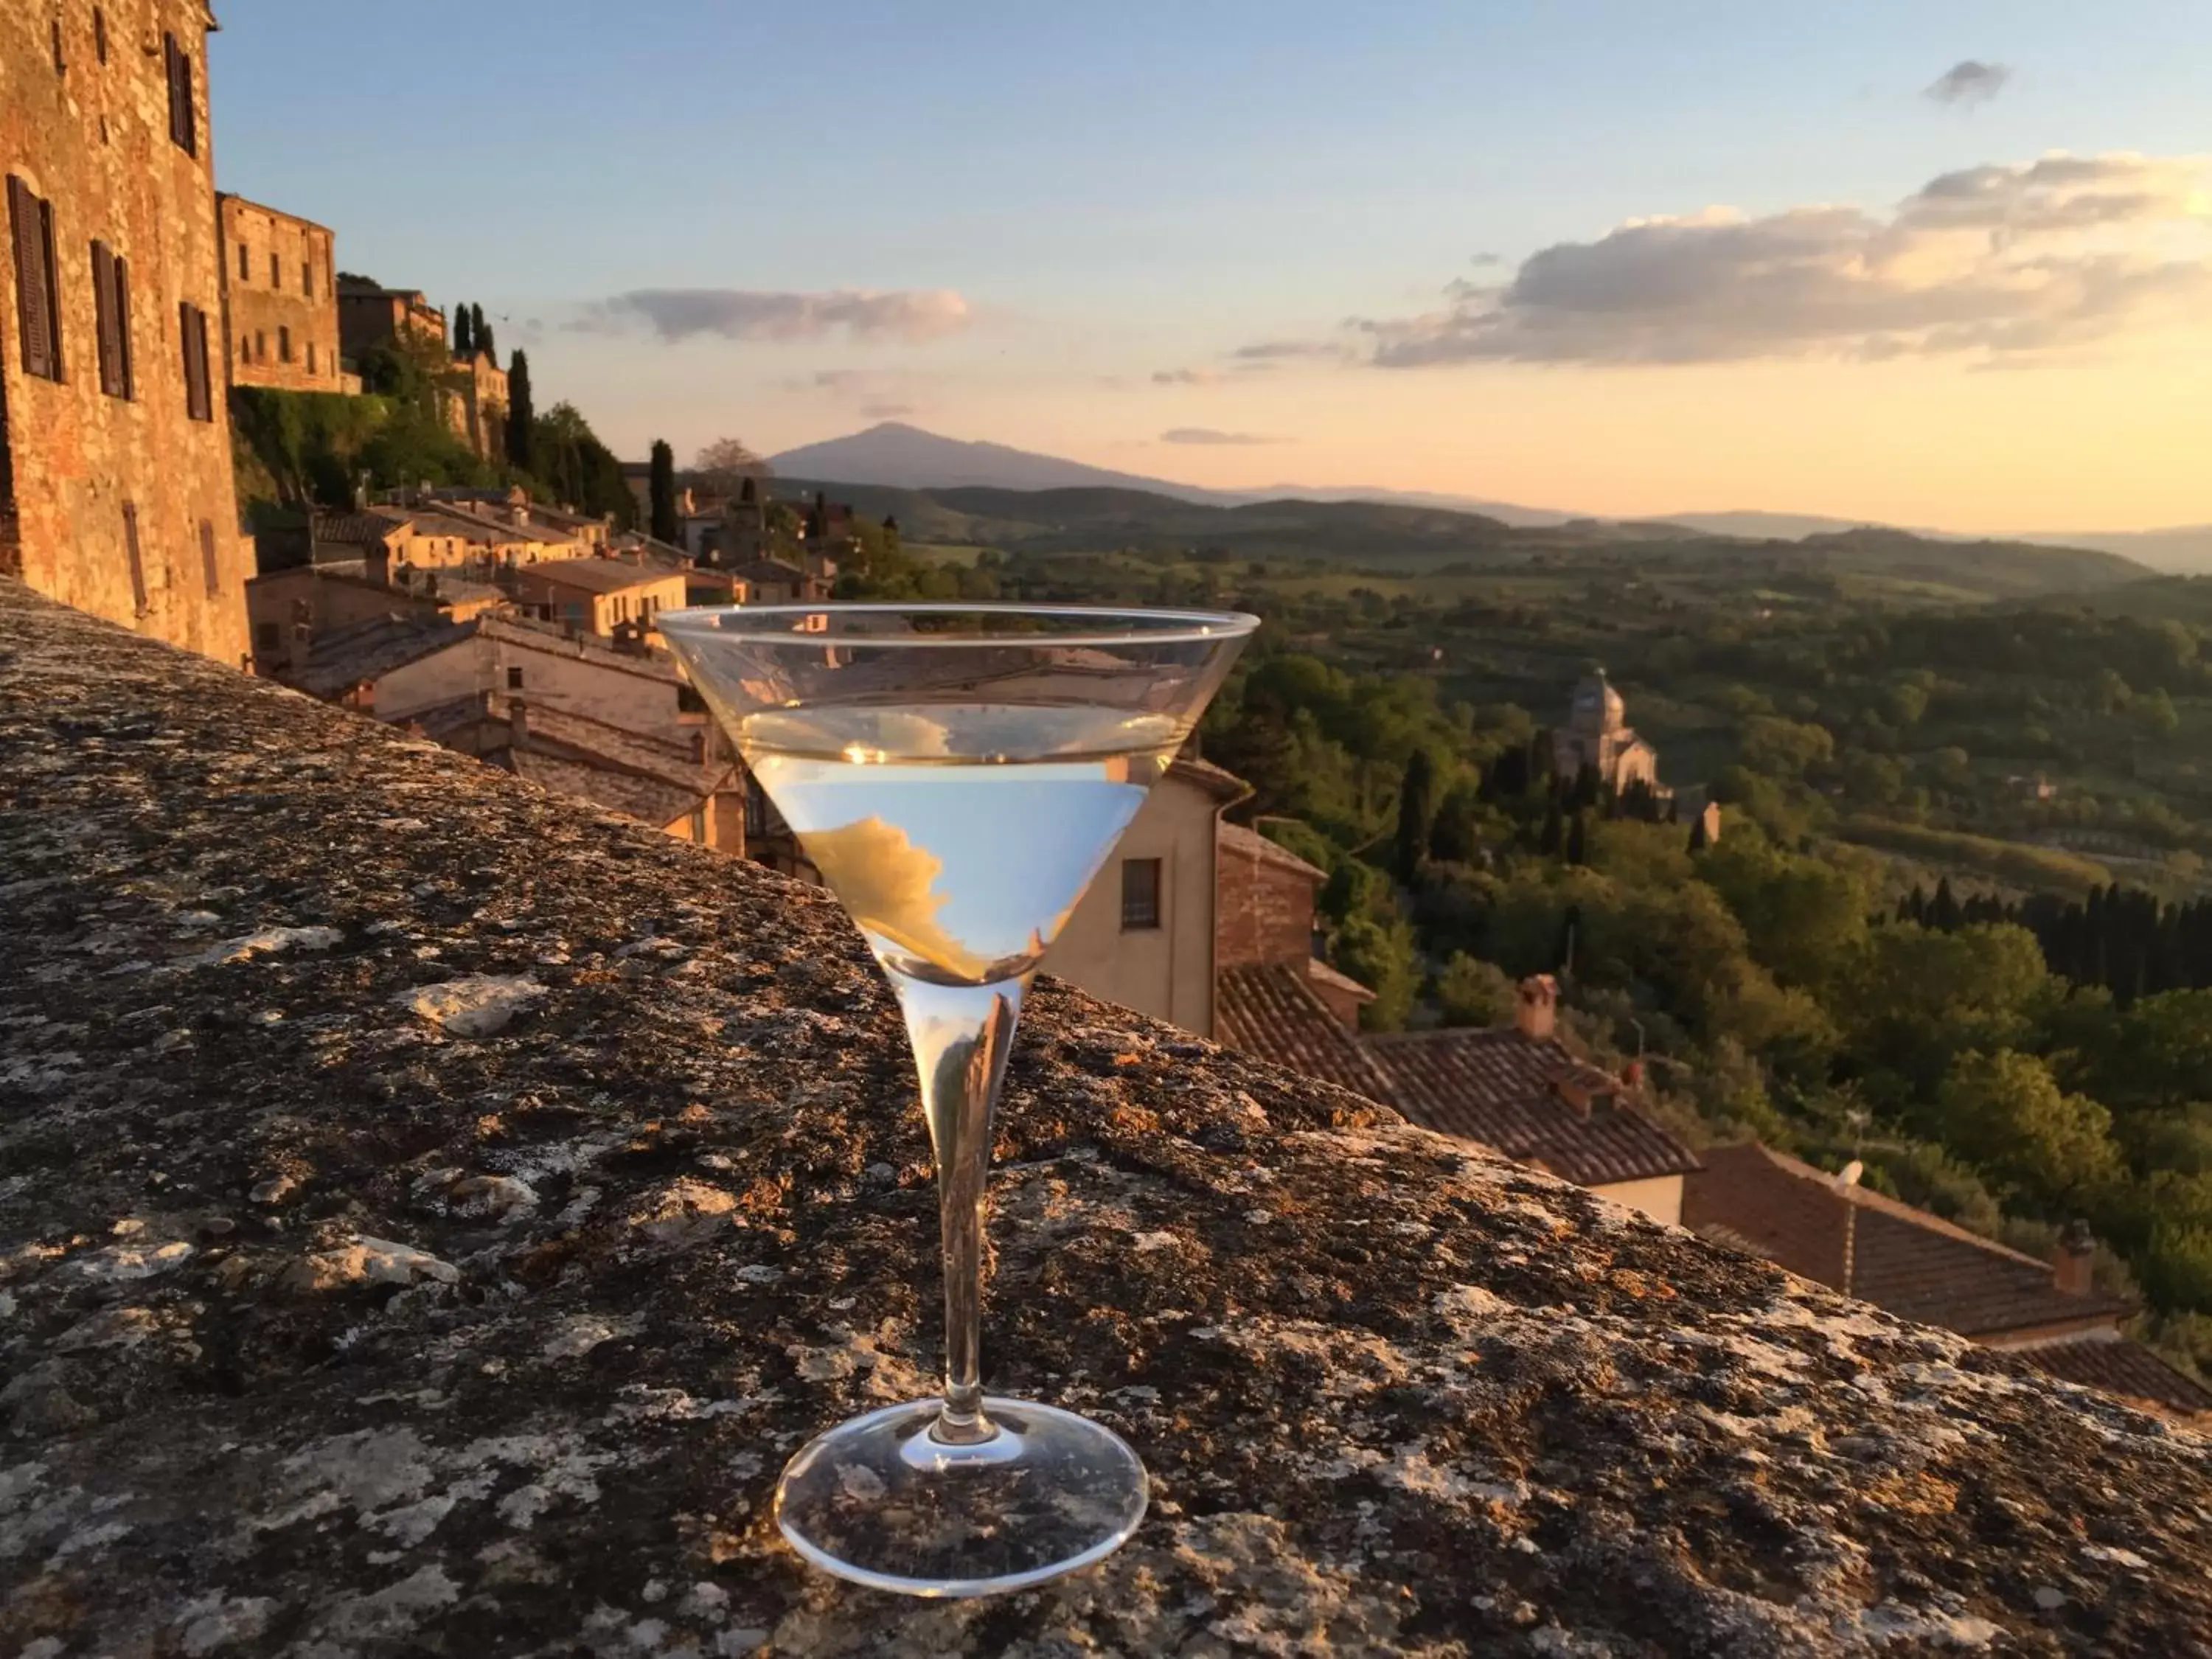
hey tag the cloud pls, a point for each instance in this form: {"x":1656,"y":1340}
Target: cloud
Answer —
{"x":1988,"y":262}
{"x":1967,"y":82}
{"x":1207,"y":434}
{"x":909,"y":316}
{"x":1276,"y":350}
{"x":1186,"y":377}
{"x":888,"y":411}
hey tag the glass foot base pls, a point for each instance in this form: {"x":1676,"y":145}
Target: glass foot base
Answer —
{"x":877,"y":1501}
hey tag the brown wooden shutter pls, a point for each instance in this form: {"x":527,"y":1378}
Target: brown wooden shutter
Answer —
{"x":137,"y":563}
{"x":207,"y":559}
{"x":103,"y":312}
{"x":191,"y":324}
{"x":126,"y":378}
{"x":184,"y":122}
{"x":31,"y":231}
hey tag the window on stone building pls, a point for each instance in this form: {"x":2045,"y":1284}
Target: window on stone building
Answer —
{"x":265,"y":638}
{"x":245,"y":263}
{"x":307,"y":278}
{"x":131,"y":551}
{"x":209,"y":569}
{"x":184,"y":123}
{"x":688,"y":700}
{"x":283,"y":346}
{"x":38,"y":301}
{"x":100,"y":34}
{"x":111,"y":308}
{"x":260,"y":346}
{"x":61,"y":64}
{"x":515,"y":679}
{"x":199,"y":396}
{"x":1141,"y":894}
{"x":756,"y":810}
{"x":275,"y":271}
{"x":310,"y":357}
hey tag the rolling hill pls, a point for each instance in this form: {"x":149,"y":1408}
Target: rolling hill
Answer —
{"x":1380,"y":537}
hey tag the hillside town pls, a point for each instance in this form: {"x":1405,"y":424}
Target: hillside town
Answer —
{"x":521,"y":631}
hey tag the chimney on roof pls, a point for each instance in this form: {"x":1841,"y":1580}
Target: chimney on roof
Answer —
{"x":1536,"y":1008}
{"x":2071,"y":1261}
{"x":518,"y":725}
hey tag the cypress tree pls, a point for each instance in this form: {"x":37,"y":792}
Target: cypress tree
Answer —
{"x":1554,"y":831}
{"x":1943,"y":911}
{"x":1417,"y":810}
{"x":662,"y":493}
{"x":1578,"y":841}
{"x":464,"y":336}
{"x":1698,"y":840}
{"x":485,"y":344}
{"x":479,"y":336}
{"x":521,"y":416}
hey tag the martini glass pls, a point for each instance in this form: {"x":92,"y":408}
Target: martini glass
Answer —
{"x":958,"y":773}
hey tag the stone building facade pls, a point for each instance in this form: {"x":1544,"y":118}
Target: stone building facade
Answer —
{"x":280,"y":299}
{"x":370,"y":315}
{"x":116,"y":492}
{"x":476,"y":404}
{"x":1597,"y":734}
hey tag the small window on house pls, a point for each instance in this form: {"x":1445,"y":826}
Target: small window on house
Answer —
{"x":756,"y":810}
{"x":132,"y":552}
{"x":100,"y":34}
{"x":1141,"y":894}
{"x":199,"y":397}
{"x":283,"y":346}
{"x":515,"y":679}
{"x":266,"y":637}
{"x":699,"y":825}
{"x":310,"y":357}
{"x":276,"y":269}
{"x":61,"y":64}
{"x":698,"y":748}
{"x":211,"y":571}
{"x":38,"y":296}
{"x":688,"y":700}
{"x":307,"y":278}
{"x":184,"y":120}
{"x":245,"y":263}
{"x":110,"y":311}
{"x":260,"y":346}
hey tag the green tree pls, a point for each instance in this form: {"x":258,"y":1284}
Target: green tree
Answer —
{"x":1472,"y":992}
{"x":1784,"y":749}
{"x":1416,"y":809}
{"x":1577,"y":847}
{"x":2005,"y":1113}
{"x":662,"y":490}
{"x":1804,"y":918}
{"x":479,"y":335}
{"x":582,"y":471}
{"x":464,"y":338}
{"x":1912,"y":998}
{"x":1380,"y":953}
{"x":521,"y":415}
{"x":1455,"y":837}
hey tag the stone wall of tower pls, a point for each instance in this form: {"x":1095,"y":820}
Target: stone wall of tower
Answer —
{"x":123,"y":503}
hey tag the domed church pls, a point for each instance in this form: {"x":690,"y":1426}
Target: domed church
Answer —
{"x":1597,"y":734}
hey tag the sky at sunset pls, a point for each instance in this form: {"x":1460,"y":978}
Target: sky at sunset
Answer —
{"x":1934,"y":263}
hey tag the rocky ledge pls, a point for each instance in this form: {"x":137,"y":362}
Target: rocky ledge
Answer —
{"x":431,"y":1210}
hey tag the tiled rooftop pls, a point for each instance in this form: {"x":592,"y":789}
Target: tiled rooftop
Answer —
{"x":597,"y":576}
{"x":1267,"y":1010}
{"x":1917,"y":1265}
{"x":1502,"y":1088}
{"x":2125,"y":1369}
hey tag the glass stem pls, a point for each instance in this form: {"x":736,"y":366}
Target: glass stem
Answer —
{"x":961,"y":1036}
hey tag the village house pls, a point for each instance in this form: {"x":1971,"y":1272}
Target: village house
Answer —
{"x":601,"y":595}
{"x":290,"y":609}
{"x":280,"y":301}
{"x":1143,"y":935}
{"x":2049,"y":1314}
{"x":777,"y":581}
{"x":475,"y":399}
{"x":116,"y":489}
{"x":372,"y":315}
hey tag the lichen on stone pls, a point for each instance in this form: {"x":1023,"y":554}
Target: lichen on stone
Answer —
{"x":493,"y":1340}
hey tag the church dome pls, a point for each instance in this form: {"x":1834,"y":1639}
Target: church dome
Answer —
{"x":1597,"y":706}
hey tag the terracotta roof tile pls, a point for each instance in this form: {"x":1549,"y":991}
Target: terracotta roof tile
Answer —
{"x":1250,"y":843}
{"x":2122,"y":1368}
{"x":1267,"y":1009}
{"x":1916,"y":1265}
{"x":1501,"y":1088}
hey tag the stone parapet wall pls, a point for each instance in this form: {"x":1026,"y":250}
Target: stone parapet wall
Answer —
{"x":430,"y":1212}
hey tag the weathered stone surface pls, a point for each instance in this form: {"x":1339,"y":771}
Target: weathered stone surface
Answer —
{"x":1398,"y":1397}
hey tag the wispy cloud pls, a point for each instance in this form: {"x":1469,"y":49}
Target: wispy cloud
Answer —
{"x":1967,"y":82}
{"x":908,"y":316}
{"x":1207,"y":434}
{"x":1987,"y":262}
{"x":1187,"y":377}
{"x":887,"y":411}
{"x":1266,"y":351}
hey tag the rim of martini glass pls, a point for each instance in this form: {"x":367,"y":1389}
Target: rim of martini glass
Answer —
{"x":1111,"y":625}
